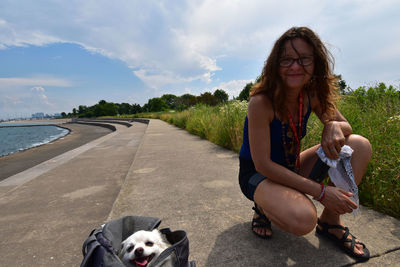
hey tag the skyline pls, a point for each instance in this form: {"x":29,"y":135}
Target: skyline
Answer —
{"x":58,"y":55}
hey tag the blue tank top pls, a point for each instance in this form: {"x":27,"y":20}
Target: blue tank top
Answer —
{"x":277,"y":149}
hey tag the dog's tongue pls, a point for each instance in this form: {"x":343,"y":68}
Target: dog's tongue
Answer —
{"x":141,"y":262}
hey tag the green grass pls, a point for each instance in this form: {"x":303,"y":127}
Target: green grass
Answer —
{"x":222,"y":125}
{"x":372,"y":113}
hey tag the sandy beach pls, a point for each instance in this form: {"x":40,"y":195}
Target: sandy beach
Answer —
{"x":80,"y":134}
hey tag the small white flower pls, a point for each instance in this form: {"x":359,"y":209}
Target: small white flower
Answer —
{"x":394,"y":118}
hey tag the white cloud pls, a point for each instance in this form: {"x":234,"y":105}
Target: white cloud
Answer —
{"x":19,"y":97}
{"x":38,"y":88}
{"x":38,"y":94}
{"x":14,"y":34}
{"x":232,"y":88}
{"x":167,"y":42}
{"x":24,"y":101}
{"x":180,"y":40}
{"x":34,"y":81}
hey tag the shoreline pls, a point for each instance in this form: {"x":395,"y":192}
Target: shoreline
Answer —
{"x":54,"y":121}
{"x":41,"y":144}
{"x":79,"y":134}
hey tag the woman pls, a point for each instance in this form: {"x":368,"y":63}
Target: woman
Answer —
{"x":296,"y":80}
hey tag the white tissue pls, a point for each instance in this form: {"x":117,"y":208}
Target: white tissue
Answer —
{"x":341,"y":172}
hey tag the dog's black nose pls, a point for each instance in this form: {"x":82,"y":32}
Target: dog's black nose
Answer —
{"x":139,"y":252}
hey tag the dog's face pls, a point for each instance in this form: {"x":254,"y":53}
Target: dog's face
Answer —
{"x":142,"y":247}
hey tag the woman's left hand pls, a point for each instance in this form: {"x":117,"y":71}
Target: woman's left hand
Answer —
{"x":332,"y":139}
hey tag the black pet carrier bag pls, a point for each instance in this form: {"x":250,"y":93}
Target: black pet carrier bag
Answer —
{"x":102,"y":245}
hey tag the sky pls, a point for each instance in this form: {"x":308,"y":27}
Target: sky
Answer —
{"x":56,"y":55}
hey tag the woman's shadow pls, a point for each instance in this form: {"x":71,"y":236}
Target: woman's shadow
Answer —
{"x":238,"y":246}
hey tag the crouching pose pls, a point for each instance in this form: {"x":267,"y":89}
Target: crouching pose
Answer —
{"x":296,"y":80}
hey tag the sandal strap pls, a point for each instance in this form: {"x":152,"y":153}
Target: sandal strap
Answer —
{"x":255,"y":208}
{"x":352,"y":239}
{"x":360,"y":243}
{"x":325,"y":227}
{"x":260,"y":223}
{"x":345,"y":235}
{"x":345,"y":239}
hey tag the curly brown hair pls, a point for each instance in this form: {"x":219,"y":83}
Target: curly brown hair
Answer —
{"x":323,"y":83}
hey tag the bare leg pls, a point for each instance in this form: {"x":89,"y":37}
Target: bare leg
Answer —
{"x":287,"y":208}
{"x":359,"y":161}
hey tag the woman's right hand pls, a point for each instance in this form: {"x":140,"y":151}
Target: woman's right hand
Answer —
{"x":338,"y":200}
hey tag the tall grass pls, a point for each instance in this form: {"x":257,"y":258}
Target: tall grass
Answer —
{"x":373,"y":113}
{"x":222,"y":125}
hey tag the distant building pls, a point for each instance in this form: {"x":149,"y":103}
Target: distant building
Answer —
{"x":38,"y":115}
{"x":41,"y":116}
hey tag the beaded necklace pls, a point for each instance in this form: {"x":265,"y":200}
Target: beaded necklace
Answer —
{"x":289,"y":147}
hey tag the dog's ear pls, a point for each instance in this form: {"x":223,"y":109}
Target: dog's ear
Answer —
{"x":121,"y":250}
{"x":164,"y":241}
{"x":158,"y":234}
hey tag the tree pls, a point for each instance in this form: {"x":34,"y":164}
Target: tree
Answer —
{"x":157,"y":104}
{"x":221,"y":95}
{"x":341,"y":84}
{"x":185,"y":101}
{"x":170,"y":99}
{"x":135,"y":108}
{"x":145,"y":108}
{"x":245,"y":93}
{"x":124,"y":108}
{"x":208,"y":99}
{"x":104,"y":108}
{"x":82,"y":109}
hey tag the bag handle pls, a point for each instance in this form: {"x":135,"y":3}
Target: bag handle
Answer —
{"x":88,"y":254}
{"x":90,"y":239}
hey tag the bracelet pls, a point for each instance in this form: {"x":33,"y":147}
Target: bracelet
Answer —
{"x":322,"y":195}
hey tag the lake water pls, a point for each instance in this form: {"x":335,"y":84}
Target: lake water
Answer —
{"x":15,"y":137}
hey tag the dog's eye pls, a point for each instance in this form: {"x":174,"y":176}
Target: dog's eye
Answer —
{"x":129,"y":249}
{"x":149,"y":243}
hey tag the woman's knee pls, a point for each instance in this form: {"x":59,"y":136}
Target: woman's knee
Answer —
{"x":298,"y":219}
{"x":360,"y":144}
{"x":303,"y":221}
{"x":361,"y":156}
{"x":289,"y":209}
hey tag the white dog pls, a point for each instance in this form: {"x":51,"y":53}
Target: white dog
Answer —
{"x":142,"y":247}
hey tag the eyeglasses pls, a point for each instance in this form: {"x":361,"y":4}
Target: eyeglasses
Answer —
{"x":302,"y":61}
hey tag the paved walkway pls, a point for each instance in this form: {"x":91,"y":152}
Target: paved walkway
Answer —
{"x":192,"y":184}
{"x":189,"y":183}
{"x":49,"y":210}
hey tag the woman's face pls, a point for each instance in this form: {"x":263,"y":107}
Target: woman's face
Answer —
{"x":296,"y":64}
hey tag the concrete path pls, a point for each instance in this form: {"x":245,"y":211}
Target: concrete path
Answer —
{"x":48,"y":211}
{"x":165,"y":172}
{"x":192,"y":184}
